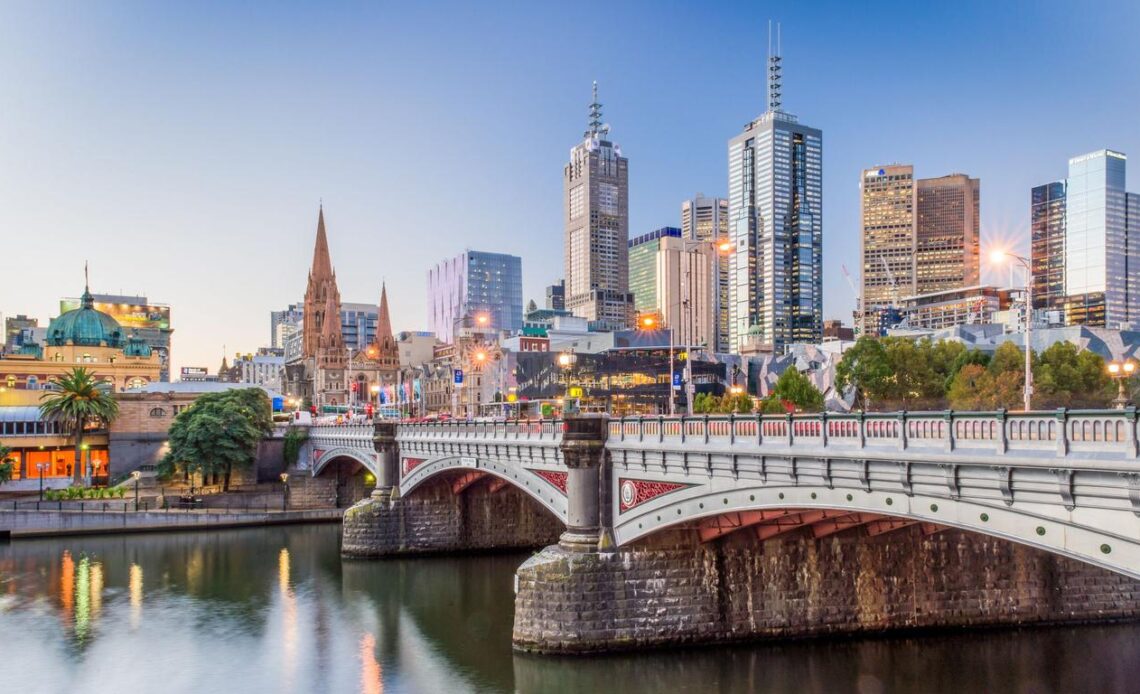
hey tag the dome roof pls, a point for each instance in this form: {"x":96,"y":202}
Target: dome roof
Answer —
{"x":85,"y":327}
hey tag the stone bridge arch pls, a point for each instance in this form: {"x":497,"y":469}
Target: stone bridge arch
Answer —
{"x":366,"y":459}
{"x":642,"y":508}
{"x":544,"y":485}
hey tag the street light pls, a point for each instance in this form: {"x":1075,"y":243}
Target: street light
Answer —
{"x":41,"y":468}
{"x":1121,"y":372}
{"x":997,"y":257}
{"x":284,"y":490}
{"x":136,"y":475}
{"x":566,"y":360}
{"x":649,"y":322}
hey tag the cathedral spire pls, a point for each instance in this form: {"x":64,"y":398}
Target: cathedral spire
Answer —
{"x":322,"y":261}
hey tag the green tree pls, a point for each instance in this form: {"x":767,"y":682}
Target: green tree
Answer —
{"x":794,"y":387}
{"x":6,"y":464}
{"x":964,"y":358}
{"x":219,"y":433}
{"x":1066,"y":376}
{"x":865,"y":368}
{"x":78,"y":400}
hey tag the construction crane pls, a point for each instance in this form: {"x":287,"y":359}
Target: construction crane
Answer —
{"x":892,"y":280}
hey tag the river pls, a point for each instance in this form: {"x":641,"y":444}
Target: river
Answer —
{"x":276,"y":610}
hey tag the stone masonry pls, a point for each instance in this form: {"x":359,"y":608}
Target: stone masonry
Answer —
{"x":434,"y":520}
{"x":672,"y":590}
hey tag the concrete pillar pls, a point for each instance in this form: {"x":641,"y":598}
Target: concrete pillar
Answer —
{"x":583,"y":450}
{"x":388,"y":453}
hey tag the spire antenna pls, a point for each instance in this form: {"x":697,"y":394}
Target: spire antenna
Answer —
{"x":595,"y":121}
{"x":774,"y":69}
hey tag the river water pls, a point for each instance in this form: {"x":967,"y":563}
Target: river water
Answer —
{"x":276,"y":610}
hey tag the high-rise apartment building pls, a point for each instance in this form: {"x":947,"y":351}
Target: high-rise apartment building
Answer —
{"x":706,"y":219}
{"x":947,"y":228}
{"x":919,"y":236}
{"x":471,"y":284}
{"x":595,"y":189}
{"x":686,"y":289}
{"x":775,"y":183}
{"x":643,"y":251}
{"x":1095,"y":249}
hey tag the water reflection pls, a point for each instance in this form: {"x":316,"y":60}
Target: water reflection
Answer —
{"x":276,"y":610}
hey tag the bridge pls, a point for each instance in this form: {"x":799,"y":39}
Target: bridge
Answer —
{"x":974,"y":488}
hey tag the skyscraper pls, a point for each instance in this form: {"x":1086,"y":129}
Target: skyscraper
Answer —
{"x":706,"y":219}
{"x":1097,"y":250}
{"x":920,"y":236}
{"x":595,"y":188}
{"x":947,"y":225}
{"x":686,"y":288}
{"x":775,"y":184}
{"x":475,"y":282}
{"x":556,"y":296}
{"x":643,"y":268}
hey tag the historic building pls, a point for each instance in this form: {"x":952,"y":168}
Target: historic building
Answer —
{"x":378,"y":365}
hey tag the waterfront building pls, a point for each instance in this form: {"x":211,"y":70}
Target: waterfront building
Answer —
{"x":595,"y":190}
{"x":1086,"y":238}
{"x":475,"y":283}
{"x":148,"y":321}
{"x":706,"y":219}
{"x":643,"y":252}
{"x":775,"y":184}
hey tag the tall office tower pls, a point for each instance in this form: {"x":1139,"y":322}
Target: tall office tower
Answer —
{"x":473,"y":284}
{"x":706,"y":219}
{"x":556,"y":296}
{"x":947,"y":250}
{"x":1047,"y":228}
{"x":775,"y":184}
{"x":887,"y":244}
{"x":643,"y":268}
{"x":1099,"y":256}
{"x":686,"y":289}
{"x":595,"y":189}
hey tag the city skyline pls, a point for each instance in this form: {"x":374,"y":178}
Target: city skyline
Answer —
{"x":110,"y":155}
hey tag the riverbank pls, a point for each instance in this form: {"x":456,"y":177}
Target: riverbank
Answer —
{"x":44,"y":523}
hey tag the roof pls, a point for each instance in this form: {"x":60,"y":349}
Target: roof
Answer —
{"x":20,"y":414}
{"x":196,"y":387}
{"x":85,"y":327}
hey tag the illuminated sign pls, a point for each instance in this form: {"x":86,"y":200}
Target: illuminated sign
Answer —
{"x":140,"y":316}
{"x":192,"y":372}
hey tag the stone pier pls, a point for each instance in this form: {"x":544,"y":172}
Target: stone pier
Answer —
{"x":433,"y":520}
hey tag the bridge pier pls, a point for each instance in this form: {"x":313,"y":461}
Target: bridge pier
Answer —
{"x":437,"y":519}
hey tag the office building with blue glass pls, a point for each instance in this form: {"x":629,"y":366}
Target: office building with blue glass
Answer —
{"x":474,"y":284}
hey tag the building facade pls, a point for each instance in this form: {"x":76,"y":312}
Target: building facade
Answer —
{"x":643,"y":252}
{"x":706,"y":219}
{"x":595,"y":193}
{"x":887,"y":243}
{"x":17,"y":331}
{"x":947,"y":229}
{"x":475,"y":283}
{"x":147,"y":321}
{"x":1086,"y":243}
{"x":556,"y":296}
{"x":686,"y":290}
{"x":775,"y":183}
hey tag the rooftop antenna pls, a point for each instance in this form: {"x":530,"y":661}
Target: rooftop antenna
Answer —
{"x":774,"y":69}
{"x":595,"y":123}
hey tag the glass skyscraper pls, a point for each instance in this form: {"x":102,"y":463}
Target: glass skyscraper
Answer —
{"x":643,"y":268}
{"x":775,"y":197}
{"x":474,"y":283}
{"x":1086,"y":237}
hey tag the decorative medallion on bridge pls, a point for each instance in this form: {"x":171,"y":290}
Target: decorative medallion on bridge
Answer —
{"x":317,"y":453}
{"x":411,"y":464}
{"x":558,"y":479}
{"x":636,"y":492}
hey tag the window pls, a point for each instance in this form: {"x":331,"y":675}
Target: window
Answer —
{"x":157,"y":412}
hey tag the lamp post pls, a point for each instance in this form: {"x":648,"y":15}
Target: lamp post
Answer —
{"x":649,"y":322}
{"x":284,"y":491}
{"x":375,"y":390}
{"x":1121,"y":372}
{"x":41,"y":468}
{"x":136,"y":475}
{"x":566,"y":360}
{"x":997,"y":257}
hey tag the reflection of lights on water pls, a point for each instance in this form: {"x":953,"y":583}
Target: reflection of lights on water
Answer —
{"x":288,"y":618}
{"x":135,"y":585}
{"x":82,"y":599}
{"x":370,"y":680}
{"x":67,"y":582}
{"x":96,"y":589}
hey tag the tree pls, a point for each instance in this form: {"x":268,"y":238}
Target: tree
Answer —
{"x":219,"y":433}
{"x":797,"y":389}
{"x":865,"y":368}
{"x":1066,"y":376}
{"x":6,"y":464}
{"x":79,"y":399}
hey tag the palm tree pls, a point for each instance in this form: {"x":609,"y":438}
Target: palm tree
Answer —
{"x":79,"y":398}
{"x":5,"y":464}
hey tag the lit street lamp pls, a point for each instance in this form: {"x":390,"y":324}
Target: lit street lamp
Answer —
{"x":997,"y":257}
{"x":1121,"y":372}
{"x":649,"y":322}
{"x":136,"y":475}
{"x":566,"y":360}
{"x":41,"y":468}
{"x":284,"y":491}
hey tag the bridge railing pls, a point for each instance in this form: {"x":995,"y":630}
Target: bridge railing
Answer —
{"x":342,"y":432}
{"x":511,"y":429}
{"x":1059,"y":431}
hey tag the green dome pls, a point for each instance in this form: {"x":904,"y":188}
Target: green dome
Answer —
{"x":85,"y":327}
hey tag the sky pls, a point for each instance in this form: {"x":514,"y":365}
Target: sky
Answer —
{"x":182,"y":149}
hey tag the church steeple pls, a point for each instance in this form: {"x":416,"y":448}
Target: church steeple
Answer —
{"x":322,"y":261}
{"x":387,"y":353}
{"x":322,"y":298}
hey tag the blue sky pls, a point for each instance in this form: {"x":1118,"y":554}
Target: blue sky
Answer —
{"x":183,"y":149}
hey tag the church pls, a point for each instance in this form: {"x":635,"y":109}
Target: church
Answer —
{"x":330,"y":376}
